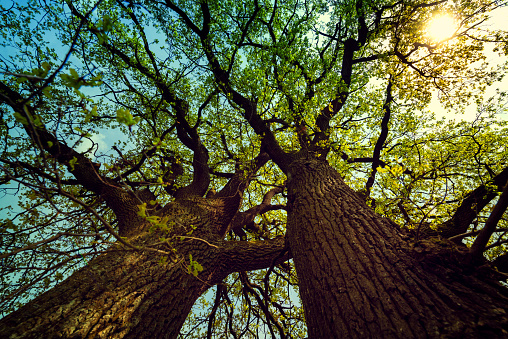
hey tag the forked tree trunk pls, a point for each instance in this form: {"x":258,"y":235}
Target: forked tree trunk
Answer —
{"x":360,"y":278}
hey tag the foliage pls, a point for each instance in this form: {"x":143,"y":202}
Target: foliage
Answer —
{"x":152,"y":76}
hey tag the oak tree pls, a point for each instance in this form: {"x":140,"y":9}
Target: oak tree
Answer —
{"x":154,"y":150}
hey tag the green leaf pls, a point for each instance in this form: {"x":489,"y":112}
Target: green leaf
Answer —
{"x":20,"y":80}
{"x":10,"y":225}
{"x":125,"y":117}
{"x":72,"y":163}
{"x":83,"y":133}
{"x":153,"y":219}
{"x":74,"y":74}
{"x":142,"y":210}
{"x":73,"y":80}
{"x":46,"y":66}
{"x":194,"y":267}
{"x":90,"y":114}
{"x":47,"y":92}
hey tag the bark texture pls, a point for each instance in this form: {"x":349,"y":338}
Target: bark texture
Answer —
{"x":129,"y":294}
{"x":361,"y":278}
{"x":119,"y":295}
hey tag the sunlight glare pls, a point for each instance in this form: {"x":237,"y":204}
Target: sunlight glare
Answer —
{"x":441,"y":27}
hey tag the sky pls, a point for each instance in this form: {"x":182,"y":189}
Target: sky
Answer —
{"x":499,"y":21}
{"x":105,"y":139}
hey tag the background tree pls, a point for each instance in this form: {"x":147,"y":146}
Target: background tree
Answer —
{"x":242,"y":123}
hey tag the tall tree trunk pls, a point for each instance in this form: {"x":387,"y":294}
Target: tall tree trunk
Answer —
{"x":131,"y":293}
{"x":118,"y":295}
{"x":361,"y":278}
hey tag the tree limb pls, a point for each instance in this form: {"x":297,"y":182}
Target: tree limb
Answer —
{"x":471,"y":205}
{"x":83,"y":169}
{"x":381,"y":139}
{"x":476,"y":250}
{"x":253,"y":255}
{"x":244,"y":218}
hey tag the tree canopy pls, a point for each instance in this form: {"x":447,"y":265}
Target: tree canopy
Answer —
{"x":161,"y":100}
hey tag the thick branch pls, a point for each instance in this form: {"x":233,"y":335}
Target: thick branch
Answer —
{"x":473,"y":204}
{"x":254,"y":255}
{"x":232,"y":193}
{"x":351,"y":45}
{"x":81,"y":167}
{"x":483,"y":238}
{"x":382,"y":138}
{"x":242,"y":219}
{"x":84,"y":170}
{"x":200,"y":175}
{"x":38,"y":171}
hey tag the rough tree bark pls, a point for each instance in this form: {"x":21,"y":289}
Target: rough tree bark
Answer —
{"x":126,"y":293}
{"x":361,"y":278}
{"x":129,"y":294}
{"x":359,"y":275}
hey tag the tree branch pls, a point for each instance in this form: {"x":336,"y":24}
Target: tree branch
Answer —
{"x":473,"y":203}
{"x":186,"y":134}
{"x":83,"y":169}
{"x":244,"y":218}
{"x":351,"y":45}
{"x":381,"y":139}
{"x":476,"y":250}
{"x":222,"y":78}
{"x":254,"y":255}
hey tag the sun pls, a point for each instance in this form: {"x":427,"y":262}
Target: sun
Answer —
{"x":441,"y":27}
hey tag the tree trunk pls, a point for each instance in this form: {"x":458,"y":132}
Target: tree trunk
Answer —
{"x":118,"y":295}
{"x":131,"y":294}
{"x":361,"y":278}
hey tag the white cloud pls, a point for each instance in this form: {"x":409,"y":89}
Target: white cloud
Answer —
{"x":99,"y":144}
